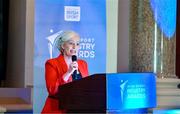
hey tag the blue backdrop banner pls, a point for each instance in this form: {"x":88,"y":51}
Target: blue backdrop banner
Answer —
{"x":87,"y":18}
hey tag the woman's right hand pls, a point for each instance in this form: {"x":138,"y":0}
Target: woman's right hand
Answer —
{"x":72,"y":67}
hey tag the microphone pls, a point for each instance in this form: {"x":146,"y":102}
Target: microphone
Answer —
{"x":74,"y":75}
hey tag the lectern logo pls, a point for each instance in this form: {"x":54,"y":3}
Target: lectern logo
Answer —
{"x":123,"y":86}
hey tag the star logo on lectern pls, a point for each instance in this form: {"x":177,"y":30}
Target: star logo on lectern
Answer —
{"x":122,"y":86}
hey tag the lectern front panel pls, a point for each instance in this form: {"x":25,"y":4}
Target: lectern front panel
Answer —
{"x":131,"y":91}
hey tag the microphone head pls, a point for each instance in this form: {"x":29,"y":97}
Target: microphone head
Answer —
{"x":74,"y":58}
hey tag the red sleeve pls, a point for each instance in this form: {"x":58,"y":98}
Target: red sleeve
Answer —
{"x":86,"y":67}
{"x":51,"y":77}
{"x":83,"y":67}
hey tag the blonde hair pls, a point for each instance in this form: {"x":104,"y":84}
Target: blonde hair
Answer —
{"x":63,"y":37}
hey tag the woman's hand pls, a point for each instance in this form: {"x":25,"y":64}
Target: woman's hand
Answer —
{"x":72,"y":67}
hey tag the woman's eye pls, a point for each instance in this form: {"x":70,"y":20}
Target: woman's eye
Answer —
{"x":73,"y":43}
{"x":70,"y":43}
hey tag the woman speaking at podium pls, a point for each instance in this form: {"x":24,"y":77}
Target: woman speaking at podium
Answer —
{"x":63,"y":69}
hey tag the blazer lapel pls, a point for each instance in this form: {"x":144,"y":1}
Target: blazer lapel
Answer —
{"x":62,"y":64}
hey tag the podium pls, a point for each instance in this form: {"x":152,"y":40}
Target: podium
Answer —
{"x":109,"y":92}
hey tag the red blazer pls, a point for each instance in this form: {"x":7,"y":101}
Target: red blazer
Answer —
{"x":54,"y":70}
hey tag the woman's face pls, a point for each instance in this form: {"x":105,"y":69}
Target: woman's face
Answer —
{"x":71,"y":47}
